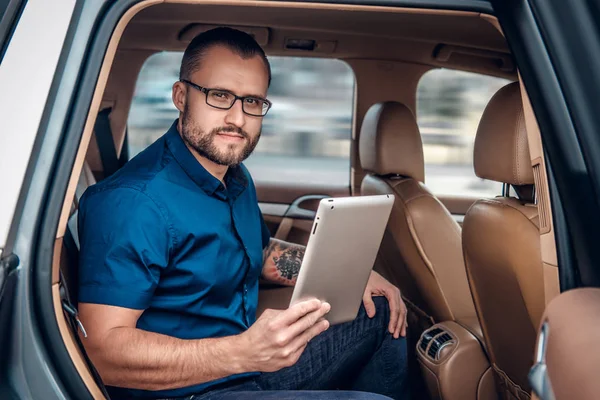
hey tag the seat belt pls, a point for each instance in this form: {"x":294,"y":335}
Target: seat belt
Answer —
{"x":106,"y":144}
{"x":75,"y":323}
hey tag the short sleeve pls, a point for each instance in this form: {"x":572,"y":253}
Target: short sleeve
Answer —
{"x":125,"y":243}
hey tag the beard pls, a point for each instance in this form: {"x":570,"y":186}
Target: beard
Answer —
{"x":204,"y":144}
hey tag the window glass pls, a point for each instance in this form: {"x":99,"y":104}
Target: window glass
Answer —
{"x":449,"y":106}
{"x":305,"y":136}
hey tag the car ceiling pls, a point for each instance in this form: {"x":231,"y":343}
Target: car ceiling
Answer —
{"x":344,"y":32}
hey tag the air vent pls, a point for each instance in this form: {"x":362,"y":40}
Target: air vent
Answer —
{"x":434,"y":341}
{"x":443,"y":338}
{"x":427,"y":336}
{"x":424,"y":343}
{"x":433,"y":349}
{"x":435,"y":332}
{"x":541,"y":195}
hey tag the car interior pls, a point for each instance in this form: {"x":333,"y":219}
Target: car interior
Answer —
{"x":475,"y":273}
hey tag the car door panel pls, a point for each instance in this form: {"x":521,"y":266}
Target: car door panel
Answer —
{"x":567,"y":354}
{"x":289,"y":209}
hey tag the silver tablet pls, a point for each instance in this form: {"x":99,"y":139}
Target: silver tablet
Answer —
{"x":341,"y":251}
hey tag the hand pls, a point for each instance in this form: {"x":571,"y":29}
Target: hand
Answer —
{"x":278,"y":338}
{"x":379,"y":286}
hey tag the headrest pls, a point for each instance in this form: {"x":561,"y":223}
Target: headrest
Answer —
{"x":390,"y":142}
{"x":501,"y":149}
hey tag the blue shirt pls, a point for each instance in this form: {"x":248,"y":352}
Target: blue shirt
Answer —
{"x":165,"y":236}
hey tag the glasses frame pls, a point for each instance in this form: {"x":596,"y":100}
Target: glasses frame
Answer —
{"x":236,"y":98}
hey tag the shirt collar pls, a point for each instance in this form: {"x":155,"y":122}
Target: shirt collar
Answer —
{"x":235,"y":178}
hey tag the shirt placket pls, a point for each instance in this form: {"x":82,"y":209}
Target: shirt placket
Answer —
{"x":245,"y":284}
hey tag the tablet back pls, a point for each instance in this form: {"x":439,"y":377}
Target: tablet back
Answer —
{"x":341,"y":251}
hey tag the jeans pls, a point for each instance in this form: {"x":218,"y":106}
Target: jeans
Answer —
{"x":355,"y":360}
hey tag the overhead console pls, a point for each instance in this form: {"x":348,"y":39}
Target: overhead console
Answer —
{"x":454,"y":364}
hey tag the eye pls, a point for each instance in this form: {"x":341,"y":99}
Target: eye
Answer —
{"x":253,"y":101}
{"x":220,"y":95}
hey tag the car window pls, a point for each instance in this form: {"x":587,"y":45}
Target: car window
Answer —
{"x":449,"y":106}
{"x":305,"y":136}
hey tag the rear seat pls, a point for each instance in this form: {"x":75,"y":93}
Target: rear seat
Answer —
{"x":421,"y":251}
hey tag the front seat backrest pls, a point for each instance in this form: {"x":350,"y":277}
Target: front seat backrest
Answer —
{"x":421,"y":252}
{"x":502,"y":245}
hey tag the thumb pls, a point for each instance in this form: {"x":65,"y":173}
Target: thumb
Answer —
{"x":369,"y":305}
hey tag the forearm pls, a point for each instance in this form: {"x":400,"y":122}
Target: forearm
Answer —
{"x":282,"y":262}
{"x":134,"y":358}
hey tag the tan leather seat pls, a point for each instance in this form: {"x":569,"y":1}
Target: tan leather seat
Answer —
{"x":421,"y":252}
{"x":502,"y":245}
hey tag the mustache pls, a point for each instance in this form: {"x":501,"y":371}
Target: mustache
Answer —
{"x":230,"y":129}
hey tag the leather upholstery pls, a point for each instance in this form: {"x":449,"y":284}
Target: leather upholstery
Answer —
{"x":461,"y":370}
{"x":421,"y":252}
{"x":501,"y":151}
{"x":390,"y":142}
{"x":572,"y":355}
{"x":503,"y":258}
{"x":501,"y":241}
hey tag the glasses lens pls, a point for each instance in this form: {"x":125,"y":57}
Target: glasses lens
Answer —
{"x":219,"y":98}
{"x":254,"y":106}
{"x":265,"y":107}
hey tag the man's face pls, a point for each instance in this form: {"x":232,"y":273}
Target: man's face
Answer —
{"x":225,"y":137}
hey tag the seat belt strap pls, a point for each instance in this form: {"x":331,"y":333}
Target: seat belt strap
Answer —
{"x":106,"y":144}
{"x":75,"y":323}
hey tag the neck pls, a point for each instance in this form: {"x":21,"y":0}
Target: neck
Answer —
{"x":216,"y":170}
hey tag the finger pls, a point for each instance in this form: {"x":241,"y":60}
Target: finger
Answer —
{"x":297,"y":311}
{"x":309,"y":334}
{"x":369,"y":304}
{"x":393,"y":300}
{"x":401,"y":326}
{"x":295,"y":356}
{"x":307,"y":321}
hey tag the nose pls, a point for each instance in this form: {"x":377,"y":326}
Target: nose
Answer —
{"x":235,"y":115}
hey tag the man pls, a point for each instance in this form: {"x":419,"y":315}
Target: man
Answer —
{"x":172,"y":248}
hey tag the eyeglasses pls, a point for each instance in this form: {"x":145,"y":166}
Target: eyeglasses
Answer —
{"x":224,"y":100}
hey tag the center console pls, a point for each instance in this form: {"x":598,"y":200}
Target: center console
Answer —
{"x":454,"y":364}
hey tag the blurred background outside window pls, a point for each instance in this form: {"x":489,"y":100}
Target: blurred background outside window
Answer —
{"x":449,"y":106}
{"x":305,"y":136}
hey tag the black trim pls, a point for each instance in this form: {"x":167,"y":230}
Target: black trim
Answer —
{"x":574,"y":184}
{"x":64,"y":118}
{"x":7,"y":295}
{"x":568,"y":277}
{"x":572,"y":34}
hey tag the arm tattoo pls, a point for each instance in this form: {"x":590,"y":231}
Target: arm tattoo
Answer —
{"x":282,"y":262}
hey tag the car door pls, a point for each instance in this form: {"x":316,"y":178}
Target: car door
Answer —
{"x":39,"y":77}
{"x":557,"y":47}
{"x":21,"y":75}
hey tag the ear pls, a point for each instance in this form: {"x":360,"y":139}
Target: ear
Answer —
{"x":179,"y":95}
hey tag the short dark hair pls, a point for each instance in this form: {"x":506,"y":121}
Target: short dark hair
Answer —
{"x":237,"y":41}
